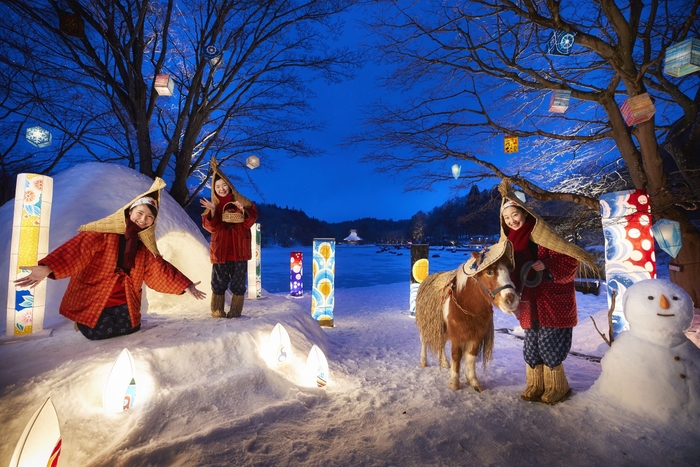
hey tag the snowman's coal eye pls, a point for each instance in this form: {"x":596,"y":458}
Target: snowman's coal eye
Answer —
{"x":650,"y":297}
{"x":674,"y":297}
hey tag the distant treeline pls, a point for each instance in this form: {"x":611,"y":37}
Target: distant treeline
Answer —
{"x":475,"y":214}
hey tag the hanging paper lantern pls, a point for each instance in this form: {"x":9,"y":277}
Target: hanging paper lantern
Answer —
{"x":560,"y":43}
{"x":420,"y":268}
{"x":323,"y":282}
{"x":252,"y":162}
{"x":316,"y":368}
{"x":456,"y":170}
{"x":520,"y":195}
{"x":296,"y":272}
{"x":668,"y":235}
{"x":559,"y":101}
{"x":254,"y":264}
{"x":38,"y":136}
{"x":30,"y":241}
{"x":683,"y":58}
{"x":279,"y":347}
{"x":120,"y":390}
{"x":213,"y":54}
{"x":40,"y":443}
{"x":510,"y":144}
{"x":629,"y":246}
{"x":637,"y":109}
{"x":164,"y":85}
{"x":71,"y":24}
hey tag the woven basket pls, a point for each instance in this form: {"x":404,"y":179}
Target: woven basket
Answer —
{"x":232,"y":217}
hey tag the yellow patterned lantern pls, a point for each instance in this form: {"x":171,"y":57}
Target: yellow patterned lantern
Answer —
{"x":637,"y":109}
{"x":30,"y":242}
{"x":510,"y":144}
{"x":323,"y":281}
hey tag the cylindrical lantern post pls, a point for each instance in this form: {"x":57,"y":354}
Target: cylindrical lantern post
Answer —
{"x":629,"y":245}
{"x":419,"y":271}
{"x":254,"y":264}
{"x":323,"y":290}
{"x":296,"y":274}
{"x":30,"y":242}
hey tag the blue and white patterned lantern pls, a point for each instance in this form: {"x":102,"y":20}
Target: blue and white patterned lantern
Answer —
{"x":213,"y":54}
{"x":667,"y":234}
{"x":683,"y":58}
{"x":560,"y":43}
{"x":38,"y":136}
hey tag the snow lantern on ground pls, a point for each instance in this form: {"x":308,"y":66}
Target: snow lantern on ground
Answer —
{"x":254,"y":264}
{"x":560,"y":43}
{"x":164,"y":84}
{"x":213,"y":54}
{"x":316,"y":368}
{"x":252,"y":162}
{"x":637,"y":109}
{"x":120,"y":390}
{"x":40,"y":443}
{"x":296,"y":274}
{"x":456,"y":171}
{"x":38,"y":136}
{"x":683,"y":58}
{"x":559,"y":101}
{"x":30,"y":242}
{"x":668,"y":235}
{"x":323,"y":281}
{"x":510,"y":144}
{"x":279,"y":347}
{"x":420,"y":268}
{"x":629,"y":245}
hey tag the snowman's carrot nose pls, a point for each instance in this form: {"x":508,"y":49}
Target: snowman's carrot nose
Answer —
{"x":664,"y":302}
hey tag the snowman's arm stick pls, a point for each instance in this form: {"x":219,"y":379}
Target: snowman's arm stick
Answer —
{"x":610,"y":325}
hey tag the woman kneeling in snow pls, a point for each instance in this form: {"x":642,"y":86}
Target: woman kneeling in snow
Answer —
{"x":108,"y":261}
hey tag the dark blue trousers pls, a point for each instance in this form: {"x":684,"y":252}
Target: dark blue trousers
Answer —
{"x":231,"y":275}
{"x":114,"y":321}
{"x":546,"y":345}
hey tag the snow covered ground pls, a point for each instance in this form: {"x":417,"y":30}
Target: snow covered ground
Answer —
{"x":205,"y":396}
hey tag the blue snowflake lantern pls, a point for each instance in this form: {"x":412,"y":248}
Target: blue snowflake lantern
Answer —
{"x":213,"y":54}
{"x":560,"y":43}
{"x":38,"y":136}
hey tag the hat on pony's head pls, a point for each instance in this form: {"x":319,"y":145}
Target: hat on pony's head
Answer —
{"x":116,"y":223}
{"x":488,"y":256}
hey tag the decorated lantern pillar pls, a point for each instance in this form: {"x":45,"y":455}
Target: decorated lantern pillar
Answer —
{"x":30,"y":242}
{"x":296,"y":274}
{"x":254,"y":264}
{"x":629,"y":245}
{"x":323,"y":282}
{"x":419,"y":271}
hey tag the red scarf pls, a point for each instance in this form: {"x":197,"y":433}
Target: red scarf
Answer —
{"x":520,"y":238}
{"x":132,"y":244}
{"x":223,"y":201}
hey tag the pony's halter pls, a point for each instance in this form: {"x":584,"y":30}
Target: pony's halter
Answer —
{"x":491,"y":293}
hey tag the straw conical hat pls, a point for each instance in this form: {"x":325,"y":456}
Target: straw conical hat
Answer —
{"x":543,"y":234}
{"x":218,"y":174}
{"x":490,"y":255}
{"x":116,"y":223}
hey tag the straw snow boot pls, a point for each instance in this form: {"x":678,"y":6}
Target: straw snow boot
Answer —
{"x":236,"y":306}
{"x":217,"y":306}
{"x":534,"y":383}
{"x":556,"y":387}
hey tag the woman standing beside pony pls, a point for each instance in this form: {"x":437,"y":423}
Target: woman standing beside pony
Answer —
{"x":545,"y":267}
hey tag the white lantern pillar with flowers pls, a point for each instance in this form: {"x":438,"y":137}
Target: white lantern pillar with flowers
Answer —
{"x":255,"y":263}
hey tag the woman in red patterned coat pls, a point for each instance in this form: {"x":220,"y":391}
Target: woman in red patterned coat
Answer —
{"x":545,"y":267}
{"x":108,"y":261}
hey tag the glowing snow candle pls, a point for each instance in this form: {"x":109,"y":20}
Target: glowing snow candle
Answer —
{"x":323,"y":290}
{"x":420,"y":268}
{"x":296,"y":274}
{"x":279,"y":347}
{"x":254,"y":265}
{"x":30,"y":242}
{"x":120,"y":391}
{"x":40,"y":443}
{"x":316,"y":368}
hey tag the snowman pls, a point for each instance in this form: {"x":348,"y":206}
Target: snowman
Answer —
{"x":654,"y":369}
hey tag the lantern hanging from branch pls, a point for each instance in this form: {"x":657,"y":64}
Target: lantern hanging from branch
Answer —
{"x":40,"y":443}
{"x":252,"y":162}
{"x":456,"y":170}
{"x":323,"y":281}
{"x":30,"y":242}
{"x":560,"y":43}
{"x":213,"y":54}
{"x":683,"y":58}
{"x":668,"y":235}
{"x":164,"y":84}
{"x":510,"y":144}
{"x":559,"y":101}
{"x":296,"y":272}
{"x":629,"y":246}
{"x":279,"y":347}
{"x":420,"y":268}
{"x":38,"y":136}
{"x":637,"y":109}
{"x":254,"y":263}
{"x":71,"y":24}
{"x":316,"y":368}
{"x":120,"y":390}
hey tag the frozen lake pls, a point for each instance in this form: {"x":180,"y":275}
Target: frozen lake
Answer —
{"x":355,"y":266}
